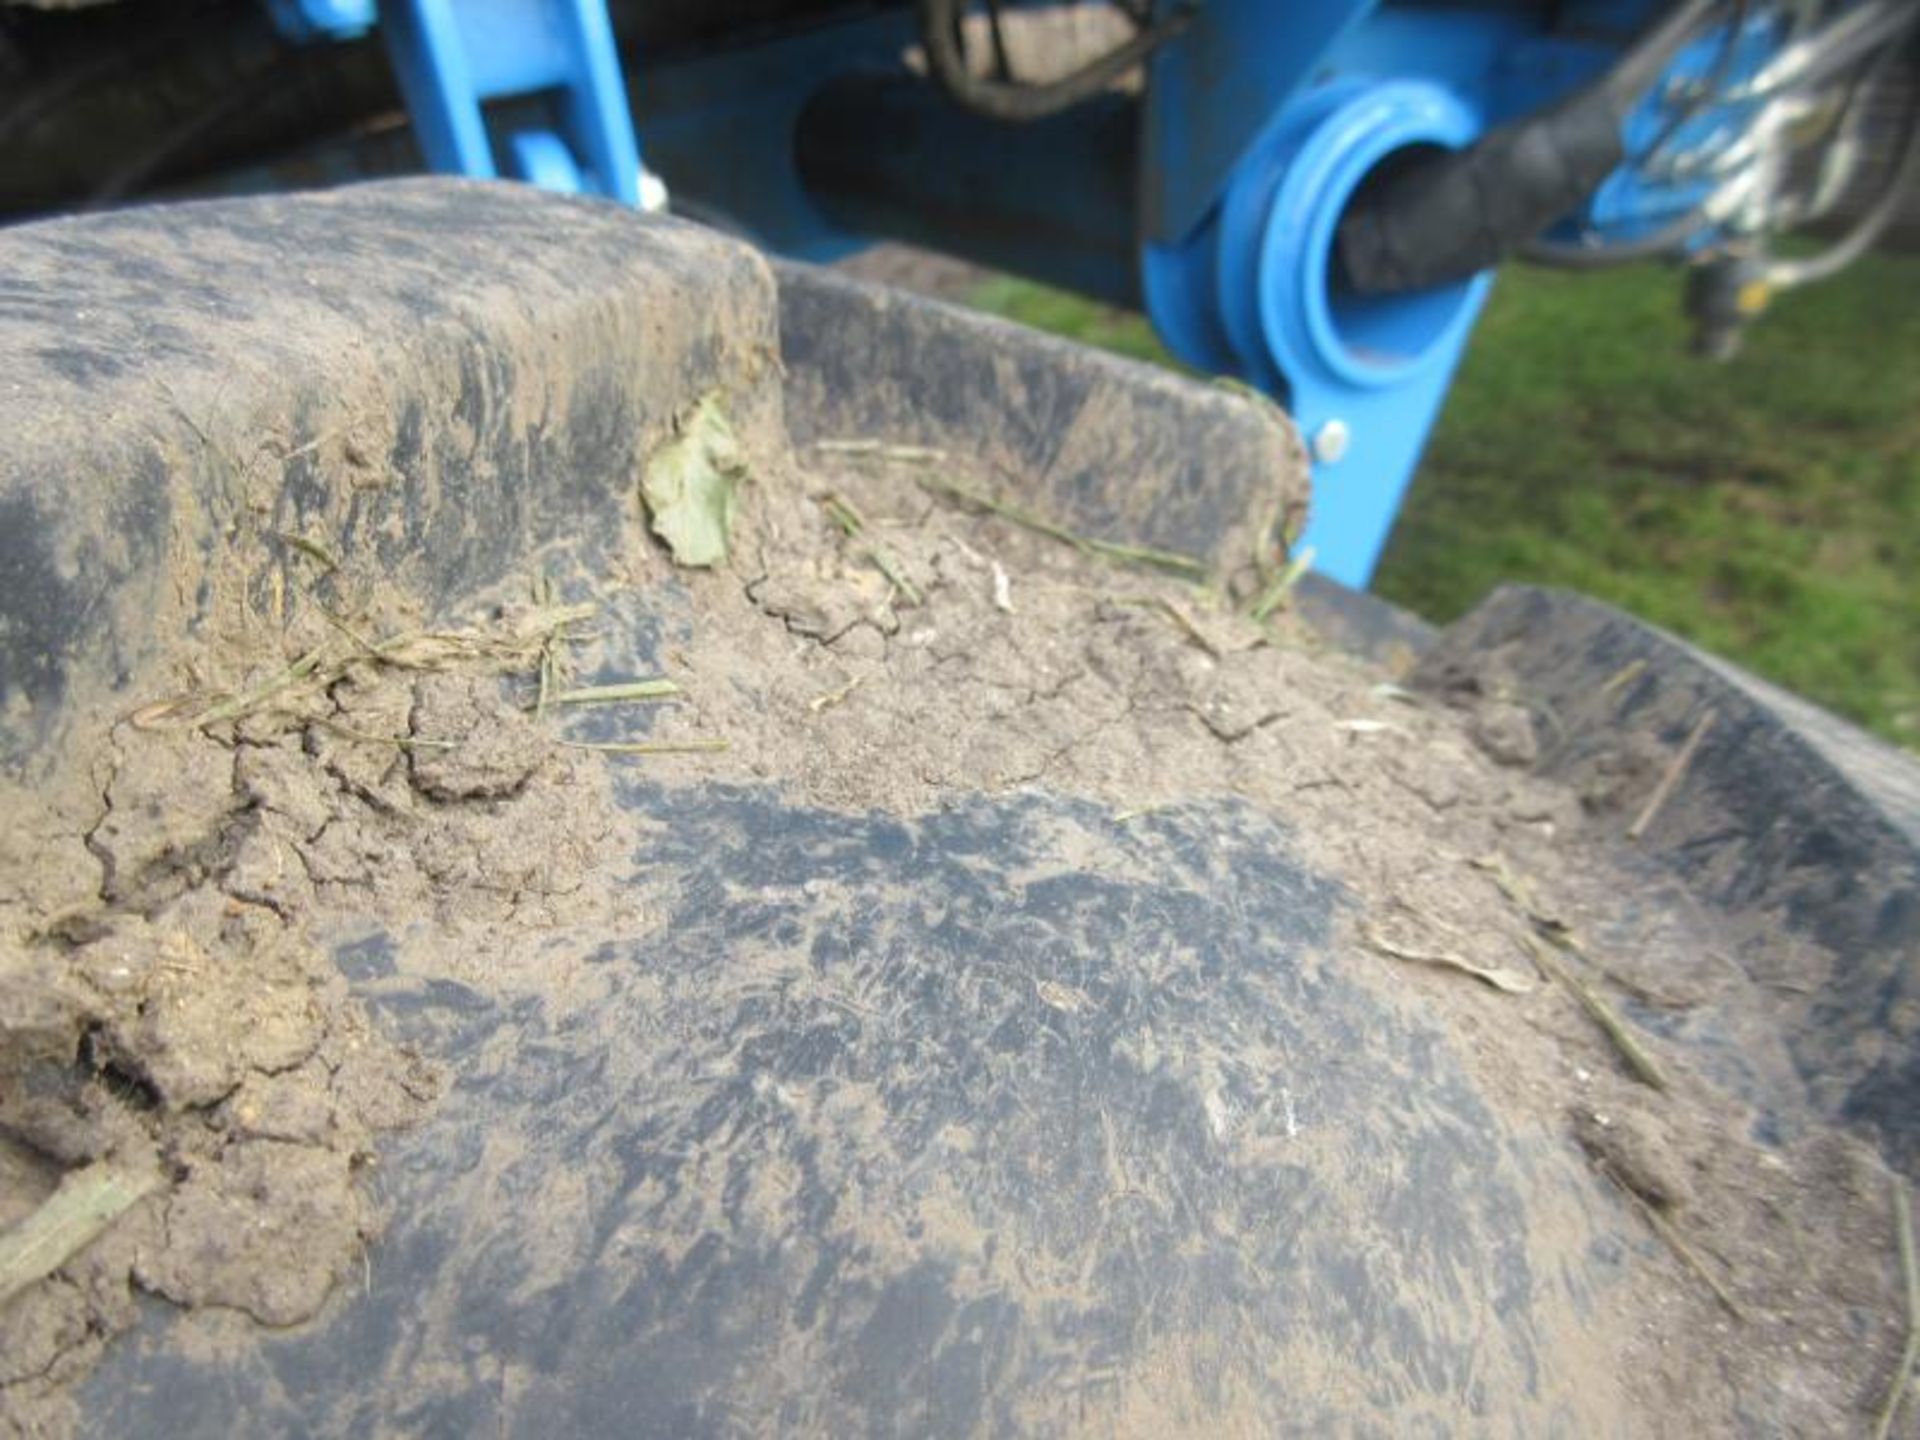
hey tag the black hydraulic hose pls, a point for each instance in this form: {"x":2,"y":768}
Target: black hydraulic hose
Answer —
{"x":1669,"y":240}
{"x":1002,"y":100}
{"x":1465,"y":211}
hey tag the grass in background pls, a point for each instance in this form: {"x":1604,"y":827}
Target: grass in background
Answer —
{"x":1063,"y":313}
{"x":1768,"y":509}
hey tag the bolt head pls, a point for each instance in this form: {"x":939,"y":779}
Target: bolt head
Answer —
{"x":1330,"y":442}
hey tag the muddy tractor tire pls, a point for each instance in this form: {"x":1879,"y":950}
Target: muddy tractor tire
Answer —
{"x":996,"y":986}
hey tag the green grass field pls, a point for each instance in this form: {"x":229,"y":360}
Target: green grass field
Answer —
{"x":1768,"y":509}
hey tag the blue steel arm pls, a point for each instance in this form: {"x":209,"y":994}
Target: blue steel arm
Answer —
{"x":453,"y":56}
{"x":1254,"y":292}
{"x":1261,"y":125}
{"x":1250,"y":286}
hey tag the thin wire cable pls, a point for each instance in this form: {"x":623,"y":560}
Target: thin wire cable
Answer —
{"x":1867,"y":230}
{"x":1661,"y":244}
{"x":1001,"y":100}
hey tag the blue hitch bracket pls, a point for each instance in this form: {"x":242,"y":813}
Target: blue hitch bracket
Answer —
{"x":454,"y":56}
{"x":1254,"y":292}
{"x":306,"y":21}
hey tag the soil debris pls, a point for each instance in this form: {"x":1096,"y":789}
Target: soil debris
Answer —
{"x":82,"y":1206}
{"x":1505,"y":731}
{"x":178,"y":1055}
{"x":1636,"y":1149}
{"x":267,"y":1227}
{"x":365,"y":762}
{"x":497,"y":753}
{"x":1674,"y":1241}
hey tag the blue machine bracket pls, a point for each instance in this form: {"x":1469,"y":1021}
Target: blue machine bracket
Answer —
{"x":1253,"y":293}
{"x":1258,"y":126}
{"x":454,"y":56}
{"x":1265,"y":118}
{"x":305,"y":21}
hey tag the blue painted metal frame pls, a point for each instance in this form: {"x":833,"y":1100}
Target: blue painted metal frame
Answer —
{"x":305,"y":21}
{"x":1250,"y":285}
{"x":721,"y":127}
{"x":1263,"y":121}
{"x":1212,"y":92}
{"x":1639,"y":198}
{"x":453,"y":57}
{"x":1258,"y":126}
{"x":1254,"y":293}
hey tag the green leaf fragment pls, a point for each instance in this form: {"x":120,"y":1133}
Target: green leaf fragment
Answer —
{"x":72,"y":1218}
{"x":691,"y":482}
